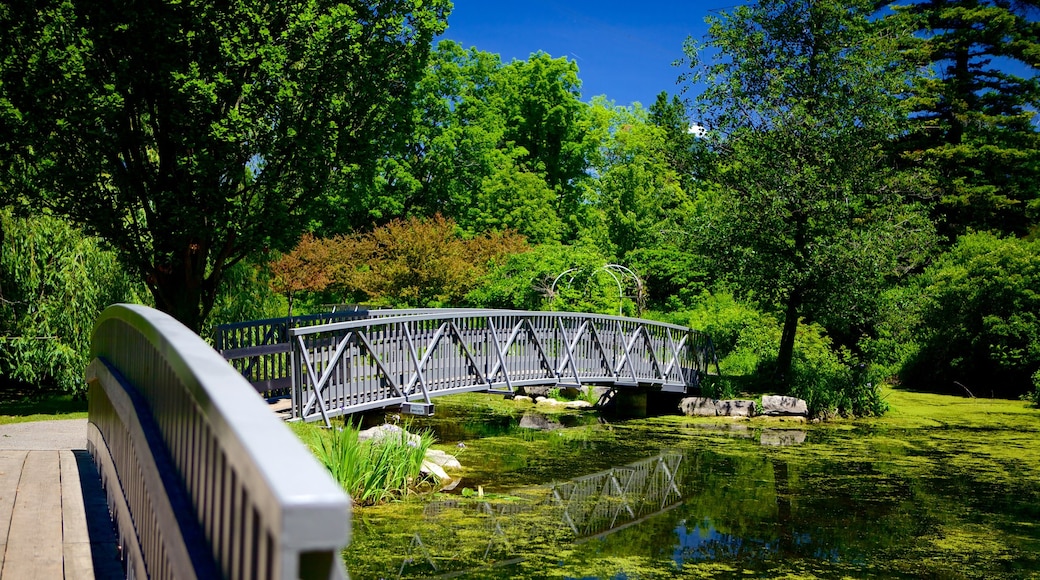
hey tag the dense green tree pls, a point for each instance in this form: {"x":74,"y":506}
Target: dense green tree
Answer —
{"x":975,"y":316}
{"x":685,"y":151}
{"x":645,"y":206}
{"x":973,"y":116}
{"x":807,"y":217}
{"x":192,"y":134}
{"x":54,"y":282}
{"x":546,"y":117}
{"x":456,"y":129}
{"x":495,"y":145}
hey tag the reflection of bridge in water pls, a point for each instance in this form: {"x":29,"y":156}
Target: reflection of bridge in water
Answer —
{"x":587,"y":507}
{"x":607,"y":501}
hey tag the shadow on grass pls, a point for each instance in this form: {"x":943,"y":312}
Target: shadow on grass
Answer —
{"x":18,"y":404}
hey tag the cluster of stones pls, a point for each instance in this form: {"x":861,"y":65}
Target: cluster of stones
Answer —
{"x":549,"y":402}
{"x":772,"y":405}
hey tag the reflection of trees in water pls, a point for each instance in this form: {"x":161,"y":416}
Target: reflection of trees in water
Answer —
{"x":748,"y":508}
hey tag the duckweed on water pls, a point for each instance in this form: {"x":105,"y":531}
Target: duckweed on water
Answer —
{"x":939,"y":488}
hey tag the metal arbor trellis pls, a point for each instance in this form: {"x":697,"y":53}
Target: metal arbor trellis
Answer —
{"x":619,"y":274}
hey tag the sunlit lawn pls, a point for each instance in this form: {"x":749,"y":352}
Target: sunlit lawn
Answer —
{"x":19,"y":409}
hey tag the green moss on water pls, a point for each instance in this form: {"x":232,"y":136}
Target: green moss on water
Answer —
{"x":941,"y":487}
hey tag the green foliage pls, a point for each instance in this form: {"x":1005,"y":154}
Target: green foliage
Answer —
{"x":829,"y":378}
{"x":808,"y":217}
{"x":551,"y":276}
{"x":372,"y":471}
{"x":979,"y":322}
{"x":245,"y":294}
{"x":973,"y":116}
{"x":54,"y":282}
{"x":1034,"y":395}
{"x":191,"y":135}
{"x":405,"y":263}
{"x":493,"y":146}
{"x":646,"y":198}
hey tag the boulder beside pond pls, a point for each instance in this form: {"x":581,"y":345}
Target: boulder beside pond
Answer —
{"x":698,"y":407}
{"x":784,"y":406}
{"x":735,"y":408}
{"x":707,"y":407}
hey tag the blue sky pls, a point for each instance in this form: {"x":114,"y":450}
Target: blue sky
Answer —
{"x":624,"y":50}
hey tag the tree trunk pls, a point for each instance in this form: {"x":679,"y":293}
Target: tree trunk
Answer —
{"x":183,"y":290}
{"x":786,"y":354}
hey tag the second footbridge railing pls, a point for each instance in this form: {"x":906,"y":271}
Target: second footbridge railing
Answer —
{"x":384,"y":358}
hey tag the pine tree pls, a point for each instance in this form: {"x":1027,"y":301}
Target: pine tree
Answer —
{"x":974,"y":113}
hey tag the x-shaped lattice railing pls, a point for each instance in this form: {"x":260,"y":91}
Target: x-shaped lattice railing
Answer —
{"x":356,"y":365}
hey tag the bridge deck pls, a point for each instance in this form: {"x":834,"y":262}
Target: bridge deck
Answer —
{"x":54,"y":520}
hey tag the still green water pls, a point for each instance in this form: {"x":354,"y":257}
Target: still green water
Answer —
{"x":939,"y":488}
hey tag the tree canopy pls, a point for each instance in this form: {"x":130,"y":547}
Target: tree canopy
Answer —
{"x":807,"y":216}
{"x":973,"y":111}
{"x":192,"y":134}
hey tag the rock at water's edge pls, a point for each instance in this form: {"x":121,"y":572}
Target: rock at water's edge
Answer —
{"x":778,"y":405}
{"x":698,"y":406}
{"x":735,"y":408}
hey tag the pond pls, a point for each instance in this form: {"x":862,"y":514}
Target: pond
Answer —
{"x":939,"y":488}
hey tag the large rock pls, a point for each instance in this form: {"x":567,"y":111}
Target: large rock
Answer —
{"x":534,"y":391}
{"x":698,"y":407}
{"x":380,"y":432}
{"x":443,"y":459}
{"x":735,"y":408}
{"x":778,"y":406}
{"x":539,"y":422}
{"x":436,"y":463}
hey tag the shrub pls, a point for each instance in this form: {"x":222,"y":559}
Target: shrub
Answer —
{"x":525,"y":281}
{"x":405,"y":263}
{"x":372,"y":471}
{"x":979,"y":327}
{"x":1034,"y":395}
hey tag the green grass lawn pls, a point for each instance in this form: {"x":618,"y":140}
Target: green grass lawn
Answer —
{"x":47,"y":408}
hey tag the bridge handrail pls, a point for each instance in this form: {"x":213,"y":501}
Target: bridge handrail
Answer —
{"x":202,"y":479}
{"x":421,"y":314}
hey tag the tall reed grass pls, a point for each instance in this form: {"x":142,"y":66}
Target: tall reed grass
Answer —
{"x":372,"y":471}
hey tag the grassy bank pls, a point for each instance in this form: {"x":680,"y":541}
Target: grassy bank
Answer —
{"x":48,"y":408}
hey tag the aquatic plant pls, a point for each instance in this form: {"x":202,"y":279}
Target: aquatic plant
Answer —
{"x":376,"y":470}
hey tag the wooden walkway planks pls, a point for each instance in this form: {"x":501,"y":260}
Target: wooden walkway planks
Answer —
{"x":50,"y":524}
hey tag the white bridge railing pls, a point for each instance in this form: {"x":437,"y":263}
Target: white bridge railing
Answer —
{"x":202,"y":480}
{"x":403,"y":357}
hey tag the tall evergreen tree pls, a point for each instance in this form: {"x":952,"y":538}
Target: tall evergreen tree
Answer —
{"x":973,"y":114}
